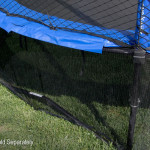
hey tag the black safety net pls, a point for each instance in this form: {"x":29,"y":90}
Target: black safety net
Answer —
{"x":142,"y":131}
{"x":87,"y":89}
{"x":92,"y":91}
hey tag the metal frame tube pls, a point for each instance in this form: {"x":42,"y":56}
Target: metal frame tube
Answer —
{"x":138,"y":60}
{"x":134,"y":103}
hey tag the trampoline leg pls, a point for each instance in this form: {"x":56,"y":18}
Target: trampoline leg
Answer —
{"x":139,"y":59}
{"x":26,"y":46}
{"x":134,"y":106}
{"x":21,"y":42}
{"x":83,"y":65}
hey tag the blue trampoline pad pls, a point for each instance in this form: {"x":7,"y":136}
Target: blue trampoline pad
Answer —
{"x":60,"y":24}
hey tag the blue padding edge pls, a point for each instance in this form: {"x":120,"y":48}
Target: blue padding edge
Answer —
{"x":59,"y":37}
{"x":13,"y":7}
{"x":71,"y":39}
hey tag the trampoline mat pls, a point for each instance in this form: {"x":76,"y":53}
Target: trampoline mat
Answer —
{"x":118,"y":21}
{"x":114,"y":14}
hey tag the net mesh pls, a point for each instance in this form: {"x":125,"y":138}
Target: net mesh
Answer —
{"x":101,"y":95}
{"x":98,"y":98}
{"x":142,"y":130}
{"x":116,"y":20}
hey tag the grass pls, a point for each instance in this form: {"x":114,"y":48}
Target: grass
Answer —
{"x":99,"y":97}
{"x":19,"y":121}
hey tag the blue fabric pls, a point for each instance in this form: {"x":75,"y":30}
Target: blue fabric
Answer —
{"x":124,"y":36}
{"x":59,"y":37}
{"x":146,"y":24}
{"x":43,"y":33}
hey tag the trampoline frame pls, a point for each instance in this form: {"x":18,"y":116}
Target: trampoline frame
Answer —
{"x":139,"y":56}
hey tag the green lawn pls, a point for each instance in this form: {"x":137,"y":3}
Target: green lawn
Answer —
{"x":100,"y":97}
{"x":19,"y":121}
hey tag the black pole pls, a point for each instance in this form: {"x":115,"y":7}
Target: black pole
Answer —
{"x":20,"y":41}
{"x":139,"y":59}
{"x":134,"y":106}
{"x":26,"y":46}
{"x":83,"y":65}
{"x":119,"y":50}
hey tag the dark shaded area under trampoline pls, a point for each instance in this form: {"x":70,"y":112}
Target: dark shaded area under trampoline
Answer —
{"x":95,"y":26}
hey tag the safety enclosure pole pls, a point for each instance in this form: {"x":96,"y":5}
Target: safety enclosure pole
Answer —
{"x":139,"y":59}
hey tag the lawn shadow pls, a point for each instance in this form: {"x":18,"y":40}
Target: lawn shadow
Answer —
{"x":43,"y":72}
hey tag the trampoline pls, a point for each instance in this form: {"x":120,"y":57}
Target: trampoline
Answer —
{"x":119,"y":26}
